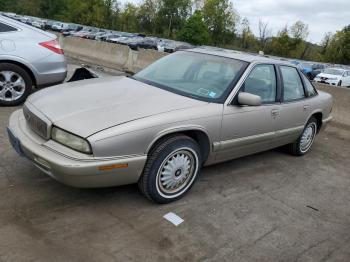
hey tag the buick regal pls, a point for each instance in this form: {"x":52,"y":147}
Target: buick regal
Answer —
{"x":159,"y":127}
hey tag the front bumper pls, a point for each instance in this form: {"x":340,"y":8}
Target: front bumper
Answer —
{"x":74,"y":169}
{"x":329,"y":82}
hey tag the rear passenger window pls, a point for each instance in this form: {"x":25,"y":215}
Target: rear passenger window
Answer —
{"x":262,"y":82}
{"x":293,"y":87}
{"x":309,"y":88}
{"x":6,"y":28}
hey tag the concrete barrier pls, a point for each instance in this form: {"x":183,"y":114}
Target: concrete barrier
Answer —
{"x":115,"y":56}
{"x":341,"y":107}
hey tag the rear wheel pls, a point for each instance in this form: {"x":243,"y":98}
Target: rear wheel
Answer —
{"x":171,"y":169}
{"x":15,"y":84}
{"x":303,"y":144}
{"x":339,"y":83}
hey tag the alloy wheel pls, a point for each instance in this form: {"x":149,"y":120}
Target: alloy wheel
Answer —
{"x":12,"y":86}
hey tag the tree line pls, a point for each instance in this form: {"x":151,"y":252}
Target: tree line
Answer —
{"x":200,"y":22}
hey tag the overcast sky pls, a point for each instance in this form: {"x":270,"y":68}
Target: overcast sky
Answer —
{"x":321,"y":15}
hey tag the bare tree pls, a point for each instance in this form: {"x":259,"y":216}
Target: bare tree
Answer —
{"x":325,"y":41}
{"x":264,"y":33}
{"x":299,"y":30}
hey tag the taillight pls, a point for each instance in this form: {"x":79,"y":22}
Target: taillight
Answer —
{"x":53,"y":45}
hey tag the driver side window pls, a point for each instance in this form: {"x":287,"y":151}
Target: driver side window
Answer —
{"x":262,"y":82}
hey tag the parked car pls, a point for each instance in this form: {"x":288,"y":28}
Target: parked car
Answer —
{"x":59,"y":27}
{"x":29,"y":57}
{"x":316,"y":69}
{"x":71,"y":28}
{"x":105,"y":36}
{"x":109,"y":37}
{"x":334,"y":76}
{"x":49,"y":24}
{"x":305,"y":67}
{"x":148,"y":43}
{"x":159,"y":127}
{"x":39,"y":24}
{"x":171,"y":46}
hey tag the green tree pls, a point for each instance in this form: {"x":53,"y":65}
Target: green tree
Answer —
{"x":195,"y":31}
{"x":128,"y":18}
{"x":280,"y":45}
{"x":220,"y":18}
{"x":298,"y":47}
{"x":338,"y":50}
{"x":52,"y":8}
{"x":147,"y":16}
{"x":248,"y":39}
{"x":172,"y":15}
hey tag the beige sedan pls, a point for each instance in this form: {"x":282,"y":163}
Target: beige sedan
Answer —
{"x":158,"y":128}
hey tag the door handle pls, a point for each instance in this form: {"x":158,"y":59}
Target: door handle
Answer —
{"x":306,"y":107}
{"x":275,"y":112}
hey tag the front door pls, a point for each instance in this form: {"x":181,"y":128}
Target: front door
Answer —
{"x":250,"y":129}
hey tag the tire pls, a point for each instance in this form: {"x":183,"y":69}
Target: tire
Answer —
{"x":339,"y":83}
{"x":304,"y":142}
{"x":181,"y":154}
{"x":15,"y":84}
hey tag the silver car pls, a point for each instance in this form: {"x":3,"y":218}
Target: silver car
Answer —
{"x":159,"y":127}
{"x":28,"y":57}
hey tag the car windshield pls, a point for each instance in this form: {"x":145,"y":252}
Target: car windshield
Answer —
{"x":200,"y":76}
{"x":333,"y":71}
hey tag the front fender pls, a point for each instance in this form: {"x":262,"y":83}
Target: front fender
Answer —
{"x":179,"y":129}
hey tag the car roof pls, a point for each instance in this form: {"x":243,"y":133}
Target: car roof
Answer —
{"x":243,"y":56}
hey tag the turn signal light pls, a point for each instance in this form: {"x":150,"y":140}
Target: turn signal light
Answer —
{"x":110,"y":167}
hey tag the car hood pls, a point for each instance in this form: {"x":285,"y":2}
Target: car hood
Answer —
{"x":328,"y":75}
{"x":89,"y":106}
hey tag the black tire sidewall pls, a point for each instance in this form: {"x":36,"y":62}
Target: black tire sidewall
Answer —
{"x":155,"y":165}
{"x":27,"y":80}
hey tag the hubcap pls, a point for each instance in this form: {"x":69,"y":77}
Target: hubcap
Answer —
{"x":307,"y":137}
{"x":176,"y":171}
{"x":12,"y":86}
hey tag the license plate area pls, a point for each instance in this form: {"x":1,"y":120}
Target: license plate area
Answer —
{"x":16,"y":144}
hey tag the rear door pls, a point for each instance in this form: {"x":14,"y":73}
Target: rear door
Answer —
{"x":294,"y":109}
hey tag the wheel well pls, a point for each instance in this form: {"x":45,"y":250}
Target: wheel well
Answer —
{"x":199,"y":136}
{"x":318,"y":117}
{"x":30,"y":73}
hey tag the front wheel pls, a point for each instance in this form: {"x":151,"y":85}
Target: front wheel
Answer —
{"x":303,"y":144}
{"x":171,"y":169}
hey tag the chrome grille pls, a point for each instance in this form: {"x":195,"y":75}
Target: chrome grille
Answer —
{"x":36,"y":124}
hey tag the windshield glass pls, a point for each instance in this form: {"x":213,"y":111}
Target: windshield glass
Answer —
{"x":200,"y":76}
{"x":332,"y":71}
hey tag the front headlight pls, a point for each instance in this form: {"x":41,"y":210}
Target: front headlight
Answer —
{"x":72,"y":141}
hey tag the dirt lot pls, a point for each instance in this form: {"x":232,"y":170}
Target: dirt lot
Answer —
{"x":266,"y":207}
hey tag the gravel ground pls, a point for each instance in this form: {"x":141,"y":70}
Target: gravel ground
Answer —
{"x":266,"y":207}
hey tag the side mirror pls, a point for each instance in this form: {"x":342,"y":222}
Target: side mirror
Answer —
{"x":249,"y":99}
